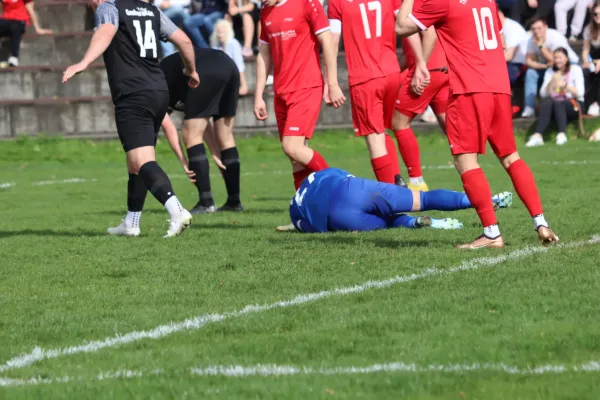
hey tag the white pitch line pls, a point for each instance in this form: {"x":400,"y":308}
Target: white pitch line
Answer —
{"x":270,"y":370}
{"x":62,"y":181}
{"x":6,"y":185}
{"x":39,"y":354}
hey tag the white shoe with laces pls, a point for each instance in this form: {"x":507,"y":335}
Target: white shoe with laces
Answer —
{"x":179,"y":224}
{"x":528,"y":112}
{"x":535,"y":140}
{"x":13,"y":61}
{"x":561,"y":139}
{"x":594,"y":110}
{"x":123,"y":230}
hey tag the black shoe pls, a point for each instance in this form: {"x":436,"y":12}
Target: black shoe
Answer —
{"x":231,"y":207}
{"x":199,"y":209}
{"x":399,"y":181}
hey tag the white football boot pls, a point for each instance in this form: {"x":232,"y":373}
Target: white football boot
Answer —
{"x":123,"y":230}
{"x":179,"y":224}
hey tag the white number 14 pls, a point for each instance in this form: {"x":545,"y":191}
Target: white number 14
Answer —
{"x":147,"y":39}
{"x":373,"y":6}
{"x":486,"y":37}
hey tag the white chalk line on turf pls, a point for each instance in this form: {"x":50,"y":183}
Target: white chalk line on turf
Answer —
{"x":39,"y":354}
{"x":62,"y":181}
{"x":274,"y":370}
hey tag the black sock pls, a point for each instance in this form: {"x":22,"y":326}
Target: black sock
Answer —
{"x":136,"y":193}
{"x":231,"y":160}
{"x":199,"y":164}
{"x":156,"y":181}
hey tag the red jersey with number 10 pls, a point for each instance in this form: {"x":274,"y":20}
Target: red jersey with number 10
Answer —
{"x":470,"y":33}
{"x":290,"y":28}
{"x":369,"y":37}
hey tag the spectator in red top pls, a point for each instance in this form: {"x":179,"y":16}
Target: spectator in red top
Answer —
{"x":16,"y":16}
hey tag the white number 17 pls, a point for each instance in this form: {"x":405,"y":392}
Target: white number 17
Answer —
{"x":373,"y":6}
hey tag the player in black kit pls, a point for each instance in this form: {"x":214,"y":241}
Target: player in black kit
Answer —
{"x":216,"y":98}
{"x":127,"y":33}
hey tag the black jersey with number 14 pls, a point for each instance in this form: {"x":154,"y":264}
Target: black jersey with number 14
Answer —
{"x":132,"y":58}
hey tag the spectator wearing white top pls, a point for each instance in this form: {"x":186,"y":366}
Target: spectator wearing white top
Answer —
{"x":562,"y":8}
{"x":515,"y":46}
{"x":562,"y":96}
{"x":178,"y":12}
{"x":222,"y":39}
{"x":591,"y":62}
{"x":540,"y":47}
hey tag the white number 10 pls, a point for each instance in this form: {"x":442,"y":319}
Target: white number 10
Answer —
{"x":486,"y":37}
{"x":373,"y":6}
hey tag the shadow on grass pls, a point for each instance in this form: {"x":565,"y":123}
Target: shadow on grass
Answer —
{"x":50,"y":232}
{"x":220,"y":225}
{"x":274,"y":198}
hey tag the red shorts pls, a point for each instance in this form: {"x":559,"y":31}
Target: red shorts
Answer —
{"x":472,"y":119}
{"x":435,"y":94}
{"x":373,"y":104}
{"x":297,"y":112}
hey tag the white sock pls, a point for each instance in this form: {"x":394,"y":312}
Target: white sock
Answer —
{"x":491,"y":231}
{"x":539,"y":220}
{"x":132,"y":220}
{"x":173,"y":206}
{"x":417,"y":181}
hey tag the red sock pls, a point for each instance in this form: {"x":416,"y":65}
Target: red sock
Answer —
{"x":393,"y":153}
{"x":409,"y":150}
{"x":384,"y":171}
{"x":317,"y":162}
{"x":478,"y":191}
{"x":524,"y":183}
{"x":299,"y":176}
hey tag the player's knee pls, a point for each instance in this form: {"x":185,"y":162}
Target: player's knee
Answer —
{"x":508,"y":160}
{"x":290,"y":150}
{"x":466,"y":162}
{"x":400,"y":121}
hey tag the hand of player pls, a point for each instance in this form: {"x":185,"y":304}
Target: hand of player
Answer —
{"x":218,"y":161}
{"x":336,"y":97}
{"x":194,"y":78}
{"x":44,"y":31}
{"x":73,"y":70}
{"x":260,"y":109}
{"x":191,"y":174}
{"x":421,"y":78}
{"x":326,"y":98}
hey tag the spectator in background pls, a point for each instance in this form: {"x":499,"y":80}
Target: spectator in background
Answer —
{"x":562,"y":98}
{"x":222,"y":39}
{"x":246,"y":13}
{"x":515,"y":41}
{"x":211,"y":11}
{"x":177,"y":11}
{"x":562,"y":7}
{"x":523,"y":10}
{"x":591,"y":62}
{"x":15,"y":18}
{"x":540,"y":47}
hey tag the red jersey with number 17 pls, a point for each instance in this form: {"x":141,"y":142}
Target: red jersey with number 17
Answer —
{"x":369,"y":37}
{"x":470,"y":33}
{"x":290,"y":28}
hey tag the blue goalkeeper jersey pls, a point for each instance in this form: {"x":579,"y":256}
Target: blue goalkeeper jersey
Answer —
{"x":309,"y":209}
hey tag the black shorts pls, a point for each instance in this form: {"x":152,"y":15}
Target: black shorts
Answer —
{"x":216,"y":98}
{"x":139,"y":117}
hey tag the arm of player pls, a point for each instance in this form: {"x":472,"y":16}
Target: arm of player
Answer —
{"x":186,"y":52}
{"x":421,"y":77}
{"x":404,"y":25}
{"x":336,"y":97}
{"x":263,"y":64}
{"x":98,"y":45}
{"x":336,"y":34}
{"x":173,"y":138}
{"x":34,"y":20}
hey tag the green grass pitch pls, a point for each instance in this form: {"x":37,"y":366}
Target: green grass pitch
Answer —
{"x":516,"y":323}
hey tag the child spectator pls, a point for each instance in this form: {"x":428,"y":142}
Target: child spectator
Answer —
{"x":562,"y":98}
{"x":17,"y":16}
{"x":222,"y":39}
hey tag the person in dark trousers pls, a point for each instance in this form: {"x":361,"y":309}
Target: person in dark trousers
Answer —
{"x":216,"y":98}
{"x":562,"y":98}
{"x":16,"y":16}
{"x":126,"y":33}
{"x":590,"y":56}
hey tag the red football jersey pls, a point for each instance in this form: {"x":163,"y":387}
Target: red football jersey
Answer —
{"x":437,"y":59}
{"x":470,"y":33}
{"x":15,"y":10}
{"x":369,"y":37}
{"x":290,"y":29}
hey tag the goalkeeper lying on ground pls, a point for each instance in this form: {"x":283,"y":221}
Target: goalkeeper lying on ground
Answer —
{"x":334,"y":200}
